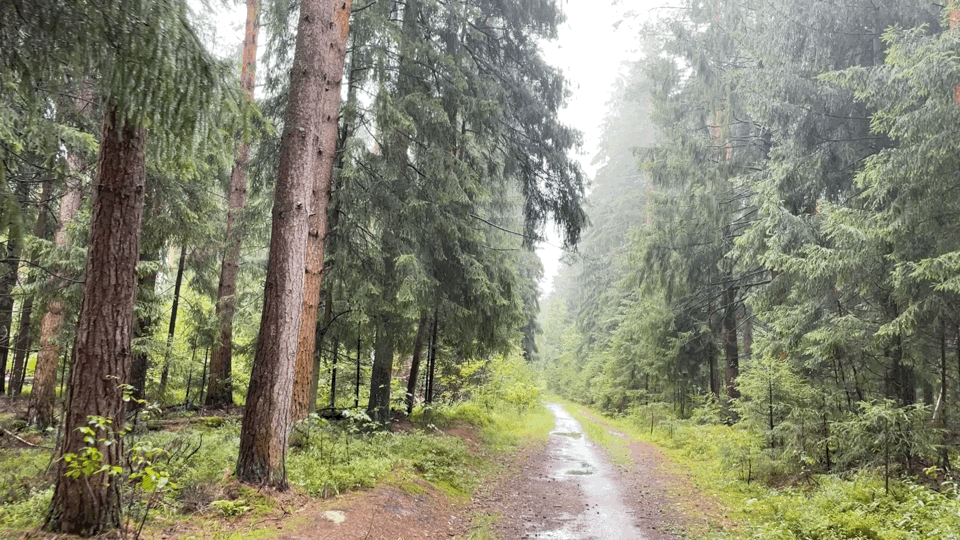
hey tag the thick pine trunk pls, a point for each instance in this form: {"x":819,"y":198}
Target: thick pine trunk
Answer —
{"x":303,"y":398}
{"x":263,"y":436}
{"x":220,"y":389}
{"x":88,"y":505}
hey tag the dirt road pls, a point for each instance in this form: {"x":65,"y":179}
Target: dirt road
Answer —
{"x":566,"y":489}
{"x":569,"y":490}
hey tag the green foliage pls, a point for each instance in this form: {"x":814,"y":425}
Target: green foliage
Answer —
{"x":228,"y":508}
{"x":24,"y":488}
{"x":336,"y":458}
{"x":854,"y":509}
{"x":507,"y":381}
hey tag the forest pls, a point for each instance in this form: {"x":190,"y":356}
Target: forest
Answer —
{"x":291,"y":243}
{"x":170,"y":216}
{"x":770,"y":249}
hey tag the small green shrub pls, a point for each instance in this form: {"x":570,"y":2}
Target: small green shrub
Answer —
{"x":228,"y":508}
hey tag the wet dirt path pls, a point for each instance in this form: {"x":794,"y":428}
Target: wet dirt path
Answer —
{"x":575,"y":459}
{"x":569,"y":490}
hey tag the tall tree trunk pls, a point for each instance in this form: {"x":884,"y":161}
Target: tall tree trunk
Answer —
{"x":263,"y":437}
{"x":87,"y":505}
{"x":220,"y":390}
{"x":21,"y":345}
{"x":378,"y":408}
{"x":396,"y":154}
{"x":316,"y":239}
{"x":172,"y":328}
{"x":43,"y":396}
{"x":415,"y":363}
{"x":729,"y":337}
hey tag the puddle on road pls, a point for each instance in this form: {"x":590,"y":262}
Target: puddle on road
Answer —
{"x":575,"y":459}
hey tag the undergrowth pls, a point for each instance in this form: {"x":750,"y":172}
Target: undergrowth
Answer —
{"x":332,"y":457}
{"x":191,"y":466}
{"x":730,"y":466}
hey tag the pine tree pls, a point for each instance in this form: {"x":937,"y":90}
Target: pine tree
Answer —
{"x":151,"y":70}
{"x":263,"y":437}
{"x":220,"y":390}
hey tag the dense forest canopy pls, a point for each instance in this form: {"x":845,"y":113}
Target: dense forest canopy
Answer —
{"x":346,"y":220}
{"x":403,"y":215}
{"x":773,"y":233}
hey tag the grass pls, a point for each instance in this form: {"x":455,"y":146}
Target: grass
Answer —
{"x":725,"y":467}
{"x":482,"y":528}
{"x":326,"y":458}
{"x":617,"y":447}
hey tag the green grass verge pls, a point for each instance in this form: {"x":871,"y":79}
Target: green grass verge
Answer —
{"x":719,"y":460}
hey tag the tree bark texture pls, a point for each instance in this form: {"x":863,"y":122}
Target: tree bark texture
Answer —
{"x":317,"y":237}
{"x":21,"y":344}
{"x":43,"y":396}
{"x":88,"y":505}
{"x":263,"y":436}
{"x":220,"y":389}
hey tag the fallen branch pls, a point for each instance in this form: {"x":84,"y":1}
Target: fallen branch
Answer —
{"x":24,"y":441}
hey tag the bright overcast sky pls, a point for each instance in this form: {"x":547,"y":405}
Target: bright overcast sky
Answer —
{"x":590,"y":49}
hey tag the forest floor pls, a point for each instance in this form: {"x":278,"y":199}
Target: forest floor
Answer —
{"x":564,"y":487}
{"x":567,"y":488}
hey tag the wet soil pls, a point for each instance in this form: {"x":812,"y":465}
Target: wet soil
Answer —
{"x":569,"y":490}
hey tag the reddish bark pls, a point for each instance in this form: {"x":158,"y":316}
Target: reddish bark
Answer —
{"x":220,"y":389}
{"x":87,"y":505}
{"x":303,"y":148}
{"x":316,"y":239}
